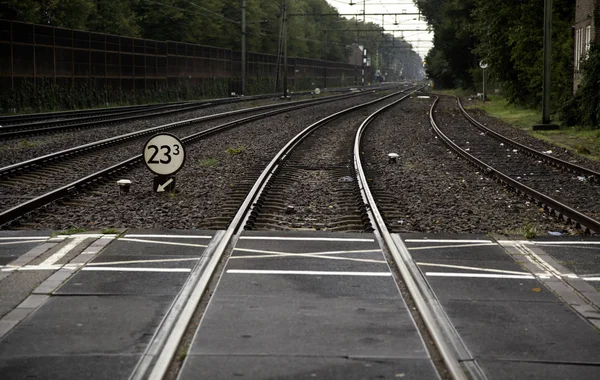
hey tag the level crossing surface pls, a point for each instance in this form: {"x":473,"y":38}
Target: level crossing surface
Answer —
{"x":297,"y":305}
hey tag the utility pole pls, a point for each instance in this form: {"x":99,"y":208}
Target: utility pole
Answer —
{"x":243,"y":47}
{"x":547,"y":60}
{"x":285,"y":37}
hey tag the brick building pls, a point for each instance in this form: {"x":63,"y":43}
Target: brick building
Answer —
{"x":587,"y":18}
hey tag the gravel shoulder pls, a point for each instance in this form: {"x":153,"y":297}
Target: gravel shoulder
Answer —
{"x":432,"y":190}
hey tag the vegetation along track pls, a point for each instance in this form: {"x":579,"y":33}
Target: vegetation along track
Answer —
{"x":58,"y":171}
{"x":569,"y":191}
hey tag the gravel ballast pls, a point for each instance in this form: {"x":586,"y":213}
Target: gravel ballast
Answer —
{"x":430,"y":189}
{"x":205,"y":184}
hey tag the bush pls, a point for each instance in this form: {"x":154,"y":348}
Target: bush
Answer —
{"x":584,"y":107}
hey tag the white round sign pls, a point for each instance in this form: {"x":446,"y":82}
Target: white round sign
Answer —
{"x":164,"y":154}
{"x":317,"y":91}
{"x":483,"y":64}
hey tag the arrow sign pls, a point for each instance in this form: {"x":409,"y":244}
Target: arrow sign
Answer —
{"x":164,"y":183}
{"x":162,"y":187}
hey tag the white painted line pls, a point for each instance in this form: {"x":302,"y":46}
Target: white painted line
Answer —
{"x":169,"y":236}
{"x":450,"y":246}
{"x":63,"y":251}
{"x":25,"y":238}
{"x":305,"y":253}
{"x":143,"y":261}
{"x":317,"y":255}
{"x":591,"y":278}
{"x":310,"y":273}
{"x":446,"y":241}
{"x":164,"y":242}
{"x":19,"y":242}
{"x":87,"y":236}
{"x":127,"y":269}
{"x":304,"y":239}
{"x":530,"y":242}
{"x":473,"y":268}
{"x":479,"y":275}
{"x":563,"y":242}
{"x":312,"y":256}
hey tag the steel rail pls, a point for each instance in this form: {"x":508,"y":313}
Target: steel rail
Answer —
{"x":572,"y":215}
{"x":100,"y":116}
{"x":72,"y":116}
{"x":11,"y":119}
{"x":443,"y":333}
{"x":8,"y":215}
{"x":554,"y":161}
{"x":161,"y":362}
{"x":94,"y":121}
{"x":57,"y":156}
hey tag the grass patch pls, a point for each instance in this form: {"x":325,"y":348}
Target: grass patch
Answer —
{"x":235,"y":151}
{"x":584,"y":142}
{"x":529,"y":231}
{"x":70,"y":231}
{"x":26,"y":144}
{"x":111,"y":231}
{"x":208,"y":162}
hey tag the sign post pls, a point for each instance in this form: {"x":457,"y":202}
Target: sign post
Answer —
{"x":483,"y":66}
{"x":164,"y":155}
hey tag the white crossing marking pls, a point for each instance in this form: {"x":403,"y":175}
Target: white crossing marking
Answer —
{"x":446,"y":241}
{"x":449,"y":246}
{"x":531,"y":242}
{"x":63,"y":251}
{"x":479,"y":275}
{"x":128,"y":269}
{"x":304,"y":238}
{"x":591,"y":278}
{"x":318,"y":255}
{"x":472,"y":268}
{"x":164,"y":242}
{"x":309,"y":272}
{"x":169,"y":236}
{"x":143,"y":261}
{"x":25,"y":238}
{"x":19,"y":242}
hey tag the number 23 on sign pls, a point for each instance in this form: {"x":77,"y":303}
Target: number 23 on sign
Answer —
{"x":164,"y":154}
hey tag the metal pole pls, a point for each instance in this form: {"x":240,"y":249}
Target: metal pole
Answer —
{"x":483,"y":85}
{"x":547,"y":58}
{"x":285,"y":70}
{"x":243,"y":47}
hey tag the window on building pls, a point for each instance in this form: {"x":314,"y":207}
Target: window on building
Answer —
{"x":588,"y":40}
{"x":577,"y":47}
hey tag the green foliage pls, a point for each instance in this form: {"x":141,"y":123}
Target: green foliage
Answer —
{"x":208,"y":162}
{"x":235,"y":151}
{"x":26,"y":144}
{"x":508,"y":34}
{"x":70,"y":231}
{"x":450,"y":60}
{"x":510,"y":38}
{"x":529,"y":231}
{"x":584,"y":107}
{"x":111,"y":231}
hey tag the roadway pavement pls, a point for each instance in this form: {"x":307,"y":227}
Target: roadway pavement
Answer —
{"x":299,"y":305}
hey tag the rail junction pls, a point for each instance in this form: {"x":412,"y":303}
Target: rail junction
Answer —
{"x":338,"y":237}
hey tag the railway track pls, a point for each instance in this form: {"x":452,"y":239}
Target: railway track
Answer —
{"x":37,"y":182}
{"x":263,"y":209}
{"x":568,"y":191}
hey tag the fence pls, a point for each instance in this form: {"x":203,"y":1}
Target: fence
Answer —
{"x":38,"y":57}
